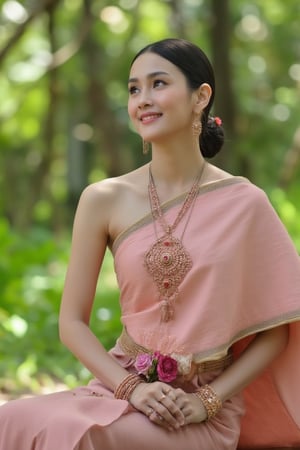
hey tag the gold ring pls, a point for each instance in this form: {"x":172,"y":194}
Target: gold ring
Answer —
{"x":162,"y":398}
{"x":149,"y":412}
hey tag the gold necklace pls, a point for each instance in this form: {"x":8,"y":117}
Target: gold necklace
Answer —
{"x":167,"y":261}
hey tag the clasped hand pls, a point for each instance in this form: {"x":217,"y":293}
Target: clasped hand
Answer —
{"x":166,"y":406}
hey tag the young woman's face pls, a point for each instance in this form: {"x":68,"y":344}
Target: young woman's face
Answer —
{"x":160,"y":101}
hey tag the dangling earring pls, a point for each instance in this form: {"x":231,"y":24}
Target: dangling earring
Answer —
{"x":146,"y":147}
{"x":197,"y":127}
{"x":196,"y":130}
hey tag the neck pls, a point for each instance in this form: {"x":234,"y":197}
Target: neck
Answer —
{"x":177,"y":166}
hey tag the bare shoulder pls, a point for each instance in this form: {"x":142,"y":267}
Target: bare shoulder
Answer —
{"x":116,"y":203}
{"x":111,"y":190}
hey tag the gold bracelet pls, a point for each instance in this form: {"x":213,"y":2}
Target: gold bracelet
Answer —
{"x":127,"y":386}
{"x":211,"y":402}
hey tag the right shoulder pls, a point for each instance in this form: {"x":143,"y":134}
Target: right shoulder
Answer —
{"x":101,"y":192}
{"x":107,"y":203}
{"x":110,"y":190}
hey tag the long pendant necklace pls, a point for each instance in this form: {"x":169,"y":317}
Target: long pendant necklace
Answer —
{"x":167,"y":261}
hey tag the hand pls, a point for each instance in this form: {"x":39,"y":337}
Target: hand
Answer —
{"x":158,"y":401}
{"x":190,"y":405}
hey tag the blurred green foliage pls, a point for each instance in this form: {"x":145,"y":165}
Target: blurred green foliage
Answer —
{"x":32,"y":270}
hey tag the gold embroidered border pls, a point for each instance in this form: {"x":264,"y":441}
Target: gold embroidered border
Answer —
{"x":131,"y":348}
{"x":284,"y":319}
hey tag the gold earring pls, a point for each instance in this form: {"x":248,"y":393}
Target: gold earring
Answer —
{"x":197,"y":127}
{"x":146,"y":147}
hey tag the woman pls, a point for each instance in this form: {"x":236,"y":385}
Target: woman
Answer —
{"x":209,"y":289}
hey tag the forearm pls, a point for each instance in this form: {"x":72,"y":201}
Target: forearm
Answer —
{"x":258,"y":355}
{"x":80,"y":340}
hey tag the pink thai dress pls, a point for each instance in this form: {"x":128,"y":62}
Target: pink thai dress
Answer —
{"x":244,"y":278}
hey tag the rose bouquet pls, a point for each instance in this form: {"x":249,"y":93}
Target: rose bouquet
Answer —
{"x":156,"y":367}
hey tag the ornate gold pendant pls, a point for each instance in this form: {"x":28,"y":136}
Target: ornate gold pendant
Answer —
{"x":168,"y":262}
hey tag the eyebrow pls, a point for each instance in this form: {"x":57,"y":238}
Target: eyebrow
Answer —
{"x":149,"y":76}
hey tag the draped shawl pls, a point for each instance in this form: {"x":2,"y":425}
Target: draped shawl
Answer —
{"x":245,"y":278}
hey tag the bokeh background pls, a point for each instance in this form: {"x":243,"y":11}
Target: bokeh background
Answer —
{"x":63,"y":124}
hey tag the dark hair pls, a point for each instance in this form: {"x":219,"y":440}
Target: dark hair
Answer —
{"x":195,"y":65}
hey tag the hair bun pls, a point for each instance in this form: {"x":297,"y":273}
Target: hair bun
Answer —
{"x":212,"y":137}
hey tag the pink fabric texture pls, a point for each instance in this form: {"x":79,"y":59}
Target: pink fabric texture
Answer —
{"x":245,"y":278}
{"x":89,"y":418}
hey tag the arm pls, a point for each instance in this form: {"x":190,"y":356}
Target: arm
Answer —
{"x":89,"y":241}
{"x":257,"y":356}
{"x":90,"y":234}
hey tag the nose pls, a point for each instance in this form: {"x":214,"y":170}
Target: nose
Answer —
{"x":144,"y":100}
{"x":144,"y":104}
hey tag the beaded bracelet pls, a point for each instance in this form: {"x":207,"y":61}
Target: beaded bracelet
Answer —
{"x":210,"y":400}
{"x":127,"y":386}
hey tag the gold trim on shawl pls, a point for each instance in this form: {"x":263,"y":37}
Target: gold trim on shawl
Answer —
{"x":203,"y":189}
{"x":284,"y":319}
{"x":216,"y":353}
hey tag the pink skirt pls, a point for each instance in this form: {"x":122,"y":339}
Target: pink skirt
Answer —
{"x":90,"y":418}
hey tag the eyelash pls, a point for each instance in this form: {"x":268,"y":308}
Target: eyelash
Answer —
{"x":160,"y":82}
{"x":156,"y":83}
{"x":132,"y":90}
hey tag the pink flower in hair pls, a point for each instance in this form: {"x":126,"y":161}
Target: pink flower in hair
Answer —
{"x":218,"y":121}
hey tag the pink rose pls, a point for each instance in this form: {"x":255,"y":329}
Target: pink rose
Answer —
{"x":166,"y":368}
{"x":143,"y":363}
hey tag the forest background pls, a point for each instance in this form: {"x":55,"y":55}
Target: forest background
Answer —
{"x":64,"y":124}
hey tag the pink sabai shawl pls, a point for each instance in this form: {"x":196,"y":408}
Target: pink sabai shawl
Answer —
{"x":245,"y":278}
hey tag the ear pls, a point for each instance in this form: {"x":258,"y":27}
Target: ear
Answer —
{"x":201,"y":97}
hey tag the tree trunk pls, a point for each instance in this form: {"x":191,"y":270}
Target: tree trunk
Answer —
{"x":225,"y":99}
{"x":107,"y":130}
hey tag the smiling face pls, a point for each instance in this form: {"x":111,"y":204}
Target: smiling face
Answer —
{"x":160,"y":101}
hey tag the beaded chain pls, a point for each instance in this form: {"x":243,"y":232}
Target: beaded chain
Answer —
{"x":156,"y":210}
{"x":211,"y":402}
{"x":167,"y":260}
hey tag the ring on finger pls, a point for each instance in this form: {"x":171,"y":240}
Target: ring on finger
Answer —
{"x":149,"y":412}
{"x":162,"y":398}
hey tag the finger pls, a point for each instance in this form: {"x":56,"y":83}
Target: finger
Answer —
{"x":149,"y":411}
{"x":181,"y":398}
{"x":163,"y":396}
{"x":179,"y":393}
{"x":168,"y":416}
{"x":173,"y":408}
{"x":172,"y":396}
{"x":159,"y":420}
